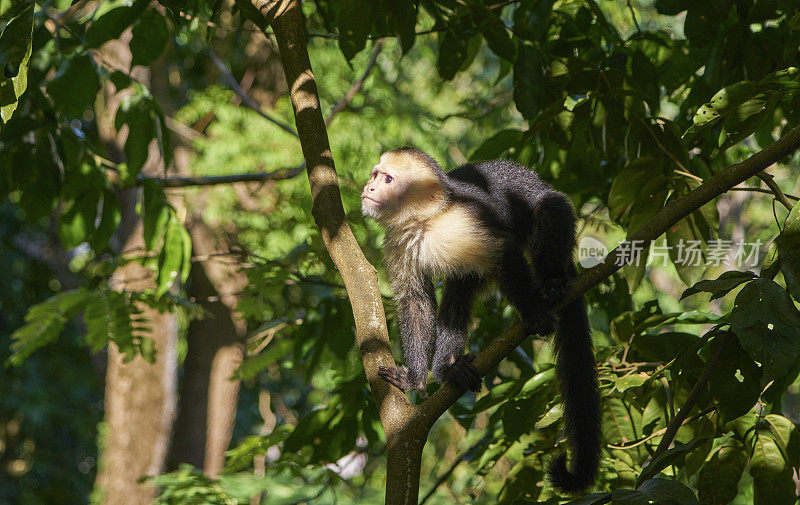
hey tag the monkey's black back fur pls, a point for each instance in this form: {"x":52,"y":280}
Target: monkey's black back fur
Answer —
{"x":529,"y":215}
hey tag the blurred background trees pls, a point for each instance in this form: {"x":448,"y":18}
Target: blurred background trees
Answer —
{"x":161,"y":320}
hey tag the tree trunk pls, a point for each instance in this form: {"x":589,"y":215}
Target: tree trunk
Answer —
{"x":208,"y":392}
{"x":139,"y":396}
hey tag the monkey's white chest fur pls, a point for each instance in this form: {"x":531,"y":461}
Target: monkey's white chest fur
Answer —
{"x":451,"y":243}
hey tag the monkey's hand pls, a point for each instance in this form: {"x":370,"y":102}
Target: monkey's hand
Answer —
{"x":463,"y":373}
{"x":399,"y":377}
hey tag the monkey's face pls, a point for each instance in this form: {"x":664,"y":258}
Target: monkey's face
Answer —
{"x":381,"y":194}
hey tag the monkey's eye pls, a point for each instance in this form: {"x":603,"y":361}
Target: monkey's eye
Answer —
{"x":389,"y":179}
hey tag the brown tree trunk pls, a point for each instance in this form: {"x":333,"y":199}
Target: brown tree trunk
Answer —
{"x":139,"y":396}
{"x":208,"y":392}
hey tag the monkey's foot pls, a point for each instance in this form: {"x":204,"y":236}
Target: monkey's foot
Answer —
{"x":543,"y":324}
{"x":399,"y":377}
{"x":463,"y":373}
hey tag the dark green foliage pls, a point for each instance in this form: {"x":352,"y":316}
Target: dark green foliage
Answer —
{"x":768,"y":326}
{"x":150,"y":35}
{"x":75,"y":86}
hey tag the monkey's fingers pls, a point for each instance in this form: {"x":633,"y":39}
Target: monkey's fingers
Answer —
{"x":464,"y":374}
{"x":396,"y":376}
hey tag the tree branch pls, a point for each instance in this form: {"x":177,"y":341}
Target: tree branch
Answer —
{"x":765,"y":191}
{"x":722,"y":181}
{"x":356,"y":87}
{"x":182,"y":182}
{"x":244,"y":96}
{"x":777,"y":193}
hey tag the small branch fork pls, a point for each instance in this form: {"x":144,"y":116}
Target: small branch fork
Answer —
{"x":406,"y":426}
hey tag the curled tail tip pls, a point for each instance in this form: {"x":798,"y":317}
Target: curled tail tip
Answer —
{"x":566,"y":481}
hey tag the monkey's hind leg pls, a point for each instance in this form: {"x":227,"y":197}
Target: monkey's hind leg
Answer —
{"x":451,"y":335}
{"x":519,"y":286}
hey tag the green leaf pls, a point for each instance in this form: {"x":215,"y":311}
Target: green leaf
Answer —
{"x":720,"y":286}
{"x":719,"y":477}
{"x":735,"y":383}
{"x":767,"y":325}
{"x":529,"y":80}
{"x":551,"y":416}
{"x":628,"y":183}
{"x":665,"y":459}
{"x":77,"y":224}
{"x":630,"y":381}
{"x":494,"y":147}
{"x":785,"y":433}
{"x":499,"y":40}
{"x":139,"y":114}
{"x":496,"y":395}
{"x":44,"y":323}
{"x":149,"y":37}
{"x":723,"y":102}
{"x":241,"y":456}
{"x":110,"y":217}
{"x":155,"y":213}
{"x":532,"y":19}
{"x":592,"y":499}
{"x":629,"y":497}
{"x":788,"y":244}
{"x":75,"y":87}
{"x":355,"y":23}
{"x":173,"y":256}
{"x":772,"y":476}
{"x":668,"y":492}
{"x":622,"y":423}
{"x":111,"y":24}
{"x":452,"y":54}
{"x":523,"y":483}
{"x":15,"y":52}
{"x":404,"y":22}
{"x":782,"y":80}
{"x":108,"y":319}
{"x":687,"y":245}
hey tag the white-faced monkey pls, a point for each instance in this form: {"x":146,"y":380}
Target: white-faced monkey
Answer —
{"x":481,"y":221}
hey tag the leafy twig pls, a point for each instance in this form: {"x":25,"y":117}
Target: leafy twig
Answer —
{"x":698,"y":388}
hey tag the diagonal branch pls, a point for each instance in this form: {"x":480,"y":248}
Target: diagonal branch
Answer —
{"x":356,"y":87}
{"x":667,"y":217}
{"x":244,"y":96}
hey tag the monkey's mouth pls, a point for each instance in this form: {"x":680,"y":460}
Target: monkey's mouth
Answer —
{"x":374,"y":201}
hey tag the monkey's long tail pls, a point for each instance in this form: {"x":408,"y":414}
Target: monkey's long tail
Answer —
{"x":577,"y":378}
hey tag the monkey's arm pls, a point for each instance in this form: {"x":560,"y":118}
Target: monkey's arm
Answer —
{"x":416,"y":317}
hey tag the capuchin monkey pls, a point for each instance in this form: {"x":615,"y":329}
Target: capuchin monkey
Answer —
{"x":493,"y":220}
